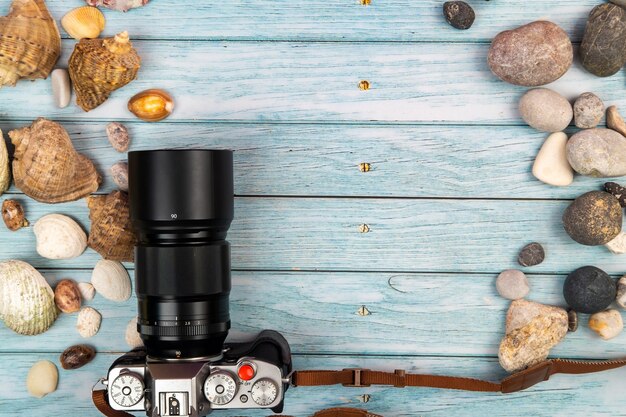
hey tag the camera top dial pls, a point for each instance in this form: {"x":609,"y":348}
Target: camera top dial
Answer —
{"x":264,"y":392}
{"x":127,"y":389}
{"x":220,"y":388}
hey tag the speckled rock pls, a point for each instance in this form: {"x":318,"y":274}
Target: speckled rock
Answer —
{"x":621,"y":292}
{"x":618,"y":244}
{"x":589,"y":290}
{"x":594,"y":218}
{"x":597,"y":152}
{"x":617,"y":191}
{"x":532,"y":329}
{"x":545,"y":110}
{"x":459,"y":14}
{"x":588,"y":111}
{"x":602,"y":51}
{"x":531,"y":55}
{"x":551,"y":165}
{"x":512,"y":284}
{"x":531,"y":255}
{"x":615,"y":121}
{"x":607,"y":324}
{"x":572,"y":321}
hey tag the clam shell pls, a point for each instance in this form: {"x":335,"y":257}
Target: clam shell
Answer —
{"x":59,"y":237}
{"x":151,"y":105}
{"x":111,"y":233}
{"x":88,"y":322}
{"x":83,"y":22}
{"x":87,"y":291}
{"x":133,"y":339}
{"x":26,"y":300}
{"x":111,"y":280}
{"x":13,"y":215}
{"x":42,"y":379}
{"x":46,"y":166}
{"x":5,"y":172}
{"x":31,"y":43}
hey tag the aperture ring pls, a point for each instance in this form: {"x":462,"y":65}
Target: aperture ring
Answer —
{"x":183,"y":330}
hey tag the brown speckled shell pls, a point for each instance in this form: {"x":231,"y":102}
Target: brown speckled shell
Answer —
{"x":30,"y":43}
{"x":46,"y":166}
{"x":111,"y":234}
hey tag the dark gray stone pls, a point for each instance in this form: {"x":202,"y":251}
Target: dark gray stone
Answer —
{"x":459,"y":14}
{"x":618,"y":191}
{"x":589,"y":290}
{"x":603,"y":51}
{"x":531,"y":255}
{"x":594,"y":218}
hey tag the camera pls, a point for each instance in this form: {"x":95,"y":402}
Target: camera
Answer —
{"x":181,"y":207}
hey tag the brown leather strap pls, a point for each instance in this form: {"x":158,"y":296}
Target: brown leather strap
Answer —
{"x":99,"y":398}
{"x":340,"y":412}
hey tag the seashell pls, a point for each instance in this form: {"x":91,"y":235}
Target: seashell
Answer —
{"x":83,"y":22}
{"x":100,"y":66}
{"x":111,"y":233}
{"x":31,"y":42}
{"x":77,"y":356}
{"x":88,"y":322}
{"x":5,"y":172}
{"x":121,"y":5}
{"x":61,"y":88}
{"x":42,"y":379}
{"x":59,"y":237}
{"x":118,"y":136}
{"x":67,"y":296}
{"x":111,"y":280}
{"x":46,"y":166}
{"x":119,"y":172}
{"x":133,"y":338}
{"x":26,"y":300}
{"x":151,"y":105}
{"x":13,"y":215}
{"x":87,"y":291}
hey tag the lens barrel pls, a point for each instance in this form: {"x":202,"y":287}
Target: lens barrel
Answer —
{"x":181,"y":206}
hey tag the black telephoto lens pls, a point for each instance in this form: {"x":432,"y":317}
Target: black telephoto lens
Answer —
{"x":181,"y":206}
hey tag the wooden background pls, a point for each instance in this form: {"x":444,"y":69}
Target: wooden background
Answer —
{"x":449,"y":199}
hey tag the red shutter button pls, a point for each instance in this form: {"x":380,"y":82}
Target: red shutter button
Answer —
{"x":246,"y":372}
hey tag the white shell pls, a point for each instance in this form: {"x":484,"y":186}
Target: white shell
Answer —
{"x":88,"y":322}
{"x":59,"y":237}
{"x":87,"y":291}
{"x":42,"y":379}
{"x":110,"y":279}
{"x":26,"y":300}
{"x":5,"y":173}
{"x":61,"y":88}
{"x":132,"y":335}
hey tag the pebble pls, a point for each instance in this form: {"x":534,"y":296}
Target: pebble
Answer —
{"x":512,"y":284}
{"x":77,"y":356}
{"x":459,"y":14}
{"x":545,"y":110}
{"x":607,"y":324}
{"x":551,"y":165}
{"x":594,"y":218}
{"x":618,"y":192}
{"x":617,"y":245}
{"x":589,"y":290}
{"x":531,"y":55}
{"x":42,"y":379}
{"x":61,"y":90}
{"x":572,"y":321}
{"x":621,"y":292}
{"x":118,"y":136}
{"x":531,"y":255}
{"x":597,"y":152}
{"x":119,"y":173}
{"x":614,"y":120}
{"x":588,"y":111}
{"x":602,"y":51}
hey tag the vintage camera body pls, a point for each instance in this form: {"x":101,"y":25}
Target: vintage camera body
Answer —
{"x":181,"y":206}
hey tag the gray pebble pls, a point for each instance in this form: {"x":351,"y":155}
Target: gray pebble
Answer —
{"x":545,"y":110}
{"x":598,"y":153}
{"x":459,"y":14}
{"x":588,"y":111}
{"x":119,"y":172}
{"x":531,"y":255}
{"x":589,"y":290}
{"x":512,"y":284}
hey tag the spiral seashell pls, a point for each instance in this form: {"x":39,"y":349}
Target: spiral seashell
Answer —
{"x":5,"y":172}
{"x":111,"y":232}
{"x":59,"y":237}
{"x":111,"y":280}
{"x":83,"y":22}
{"x":13,"y":215}
{"x":88,"y":322}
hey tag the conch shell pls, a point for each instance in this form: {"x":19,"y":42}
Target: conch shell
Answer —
{"x":83,"y":22}
{"x":31,"y":43}
{"x":100,"y":66}
{"x":111,"y":233}
{"x":5,"y":172}
{"x":46,"y":166}
{"x":59,"y":237}
{"x":121,"y":5}
{"x":26,"y":300}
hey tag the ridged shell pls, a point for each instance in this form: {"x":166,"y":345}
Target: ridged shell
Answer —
{"x":133,"y":339}
{"x":46,"y":166}
{"x":26,"y":300}
{"x":5,"y":172}
{"x":111,"y":233}
{"x":83,"y":22}
{"x":111,"y":280}
{"x":31,"y":43}
{"x":87,"y":291}
{"x":121,"y":5}
{"x":151,"y":105}
{"x":100,"y":66}
{"x":59,"y":237}
{"x":88,"y":322}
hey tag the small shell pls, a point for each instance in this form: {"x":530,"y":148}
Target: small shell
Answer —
{"x":87,"y":291}
{"x":61,"y":88}
{"x":118,"y":136}
{"x":77,"y":356}
{"x":42,"y":379}
{"x":59,"y":237}
{"x":83,"y":22}
{"x":120,"y":5}
{"x":13,"y":215}
{"x":111,"y":232}
{"x":88,"y":322}
{"x":119,"y":172}
{"x":111,"y":280}
{"x":133,"y":339}
{"x":67,"y":296}
{"x":5,"y":171}
{"x":151,"y":105}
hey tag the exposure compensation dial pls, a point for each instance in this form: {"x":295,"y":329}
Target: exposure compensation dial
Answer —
{"x":127,"y":389}
{"x":220,"y":388}
{"x":264,"y":392}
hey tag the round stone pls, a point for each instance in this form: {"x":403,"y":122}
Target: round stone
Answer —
{"x":607,"y":324}
{"x":459,"y":14}
{"x":531,"y":255}
{"x":602,"y":51}
{"x":512,"y":284}
{"x":588,"y":111}
{"x":545,"y":110}
{"x":597,"y":152}
{"x":572,"y":321}
{"x":589,"y":290}
{"x":594,"y":218}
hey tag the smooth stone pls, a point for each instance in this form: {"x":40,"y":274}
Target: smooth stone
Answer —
{"x":531,"y":255}
{"x":594,"y":218}
{"x":617,"y":245}
{"x":545,"y":110}
{"x":459,"y":14}
{"x":615,"y":121}
{"x":621,"y":292}
{"x":602,"y":51}
{"x":607,"y":324}
{"x":617,"y":191}
{"x":531,"y":55}
{"x":589,"y":290}
{"x":61,"y":87}
{"x":532,"y":329}
{"x":551,"y":165}
{"x":588,"y":111}
{"x":119,"y":174}
{"x":597,"y":152}
{"x":572,"y":321}
{"x":512,"y":284}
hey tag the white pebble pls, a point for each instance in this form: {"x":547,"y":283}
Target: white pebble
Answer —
{"x":607,"y":324}
{"x":512,"y":284}
{"x":551,"y":165}
{"x":617,"y":245}
{"x":621,"y":292}
{"x":61,"y":89}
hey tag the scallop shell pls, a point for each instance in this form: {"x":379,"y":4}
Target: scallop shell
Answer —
{"x":26,"y":300}
{"x":59,"y":237}
{"x":46,"y":166}
{"x":13,"y":215}
{"x":88,"y":322}
{"x":5,"y":172}
{"x":42,"y":379}
{"x":87,"y":291}
{"x":151,"y":105}
{"x":31,"y":43}
{"x":111,"y":280}
{"x":111,"y":233}
{"x":100,"y":66}
{"x":121,"y":5}
{"x":132,"y":336}
{"x":83,"y":22}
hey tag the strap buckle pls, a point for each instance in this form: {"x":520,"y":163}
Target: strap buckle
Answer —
{"x":527,"y":378}
{"x":356,"y":377}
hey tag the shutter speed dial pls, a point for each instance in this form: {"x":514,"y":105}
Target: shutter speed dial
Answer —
{"x":220,"y":388}
{"x":264,"y":392}
{"x":127,"y":389}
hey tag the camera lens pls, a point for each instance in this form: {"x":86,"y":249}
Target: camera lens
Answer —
{"x":181,"y":206}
